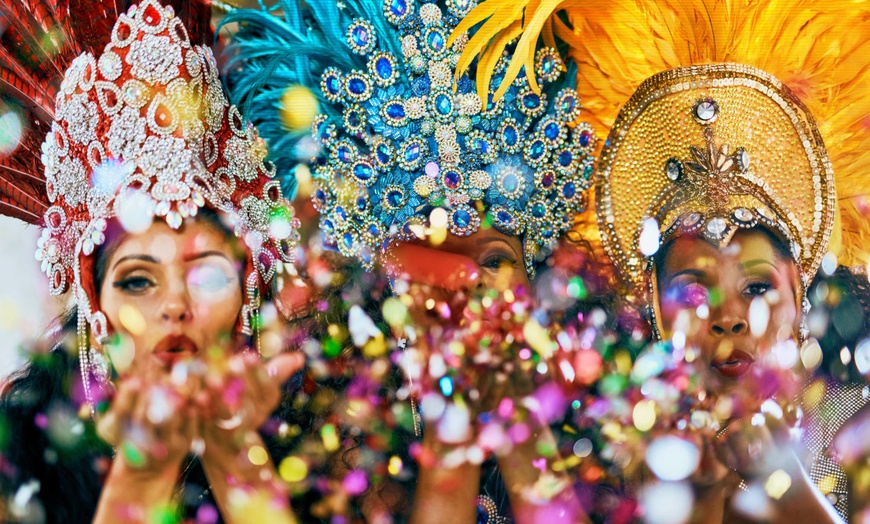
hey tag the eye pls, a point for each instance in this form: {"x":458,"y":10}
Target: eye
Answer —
{"x":690,"y":294}
{"x":497,"y":261}
{"x":757,"y":289}
{"x":135,"y":285}
{"x":208,"y":279}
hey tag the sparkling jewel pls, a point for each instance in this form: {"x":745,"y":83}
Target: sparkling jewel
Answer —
{"x":742,"y":214}
{"x":691,"y":219}
{"x":717,"y":227}
{"x":384,"y":68}
{"x":706,"y":110}
{"x":396,"y":110}
{"x":674,"y":169}
{"x":461,"y":218}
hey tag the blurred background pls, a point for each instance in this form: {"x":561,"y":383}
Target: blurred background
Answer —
{"x":26,"y":308}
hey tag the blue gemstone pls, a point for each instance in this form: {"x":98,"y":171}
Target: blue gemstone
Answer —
{"x":568,"y":104}
{"x":384,"y":68}
{"x":347,"y":238}
{"x":361,"y":203}
{"x":396,"y":111}
{"x":547,"y":64}
{"x":537,"y":149}
{"x":435,"y":41}
{"x":504,"y":217}
{"x":565,"y":158}
{"x":363,"y":171}
{"x":328,"y":226}
{"x":531,"y":101}
{"x":320,"y":195}
{"x":461,"y":218}
{"x":481,"y":145}
{"x":354,"y":119}
{"x":412,"y":153}
{"x":443,"y":104}
{"x":510,"y":135}
{"x":539,"y":210}
{"x":360,"y":35}
{"x":552,"y":131}
{"x":451,"y":179}
{"x":490,"y":103}
{"x":395,"y":197}
{"x":398,"y":7}
{"x":357,"y":86}
{"x":374,"y":231}
{"x":383,"y":152}
{"x":510,"y":183}
{"x":333,"y":85}
{"x":344,"y":154}
{"x":341,"y":213}
{"x":569,"y":190}
{"x":585,"y":138}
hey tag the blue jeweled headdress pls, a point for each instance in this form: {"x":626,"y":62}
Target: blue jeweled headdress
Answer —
{"x":400,"y":135}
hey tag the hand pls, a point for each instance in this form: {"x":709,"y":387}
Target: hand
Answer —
{"x":151,"y":422}
{"x":238,"y":397}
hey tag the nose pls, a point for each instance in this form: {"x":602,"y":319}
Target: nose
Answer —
{"x":728,"y":324}
{"x":176,"y":307}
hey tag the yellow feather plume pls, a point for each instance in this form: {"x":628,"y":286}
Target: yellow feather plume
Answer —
{"x":819,"y":49}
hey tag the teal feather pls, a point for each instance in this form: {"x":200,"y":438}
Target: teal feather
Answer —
{"x":270,"y":53}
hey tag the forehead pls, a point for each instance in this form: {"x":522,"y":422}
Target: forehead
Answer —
{"x":166,"y":244}
{"x":477,"y":241}
{"x":695,"y":252}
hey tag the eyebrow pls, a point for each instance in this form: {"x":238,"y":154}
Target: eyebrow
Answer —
{"x":153,"y":260}
{"x":756,"y":262}
{"x":204,"y":254}
{"x":691,"y":272}
{"x":497,"y":239}
{"x":142,"y":258}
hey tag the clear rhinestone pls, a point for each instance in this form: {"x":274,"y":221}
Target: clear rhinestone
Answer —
{"x":742,"y":214}
{"x":674,"y":169}
{"x":743,"y":160}
{"x":173,"y":218}
{"x":110,"y":66}
{"x":691,"y":219}
{"x":706,"y":110}
{"x":87,"y":247}
{"x":717,"y":227}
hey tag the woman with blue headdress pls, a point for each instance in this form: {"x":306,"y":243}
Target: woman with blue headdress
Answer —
{"x":419,"y":169}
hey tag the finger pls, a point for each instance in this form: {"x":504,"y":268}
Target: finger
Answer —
{"x":109,"y":423}
{"x":281,"y":367}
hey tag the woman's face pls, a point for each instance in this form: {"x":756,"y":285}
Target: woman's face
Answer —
{"x":174,"y":293}
{"x":732,"y":304}
{"x":499,"y":256}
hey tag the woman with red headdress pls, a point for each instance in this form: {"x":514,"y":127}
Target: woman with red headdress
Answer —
{"x":161,"y":217}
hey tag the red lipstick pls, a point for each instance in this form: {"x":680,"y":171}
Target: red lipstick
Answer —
{"x":173,"y":348}
{"x":734,"y":365}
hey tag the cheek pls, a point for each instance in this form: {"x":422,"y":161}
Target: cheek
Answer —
{"x":218,"y":313}
{"x":505,"y":278}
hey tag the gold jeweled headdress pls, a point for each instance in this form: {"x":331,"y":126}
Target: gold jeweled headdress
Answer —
{"x":708,"y":150}
{"x":811,"y":60}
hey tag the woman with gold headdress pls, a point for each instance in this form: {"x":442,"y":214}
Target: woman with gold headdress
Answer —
{"x":717,"y":198}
